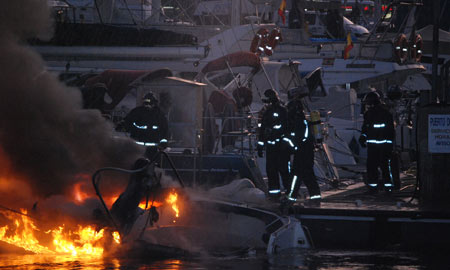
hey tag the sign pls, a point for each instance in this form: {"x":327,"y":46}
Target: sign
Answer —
{"x":439,"y":133}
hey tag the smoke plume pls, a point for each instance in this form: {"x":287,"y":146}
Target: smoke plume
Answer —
{"x":46,"y":138}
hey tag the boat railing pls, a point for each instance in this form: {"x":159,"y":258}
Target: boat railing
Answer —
{"x":235,"y":134}
{"x":65,"y":13}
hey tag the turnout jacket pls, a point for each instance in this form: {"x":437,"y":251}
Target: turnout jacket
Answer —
{"x":147,"y":125}
{"x":298,"y":131}
{"x":378,"y":126}
{"x":273,"y":125}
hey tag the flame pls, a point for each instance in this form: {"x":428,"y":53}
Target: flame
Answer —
{"x":110,"y":200}
{"x":150,"y":204}
{"x":84,"y":245}
{"x":22,"y":233}
{"x":116,"y":237}
{"x":79,"y":194}
{"x":83,"y":241}
{"x":172,"y":199}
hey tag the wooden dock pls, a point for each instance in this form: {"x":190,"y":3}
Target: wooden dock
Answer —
{"x":351,"y":218}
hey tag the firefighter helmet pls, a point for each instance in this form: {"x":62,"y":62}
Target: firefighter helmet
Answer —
{"x":372,"y":98}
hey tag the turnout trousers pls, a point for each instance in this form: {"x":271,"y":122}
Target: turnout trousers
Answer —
{"x":277,"y":164}
{"x":303,"y":171}
{"x":379,"y":156}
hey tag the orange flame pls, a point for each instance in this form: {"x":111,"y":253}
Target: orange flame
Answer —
{"x":149,"y":204}
{"x":116,"y":237}
{"x":110,"y":200}
{"x":85,"y":241}
{"x":79,"y":194}
{"x":86,"y":244}
{"x":22,"y":234}
{"x":172,"y":199}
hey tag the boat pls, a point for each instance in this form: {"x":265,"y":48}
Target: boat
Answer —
{"x":374,"y":61}
{"x":206,"y":223}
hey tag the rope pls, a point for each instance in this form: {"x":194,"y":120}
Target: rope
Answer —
{"x":131,"y":14}
{"x":98,"y":12}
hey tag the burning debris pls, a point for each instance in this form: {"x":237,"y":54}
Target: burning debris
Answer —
{"x":70,"y":238}
{"x":78,"y":241}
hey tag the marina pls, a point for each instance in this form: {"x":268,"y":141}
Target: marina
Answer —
{"x":250,"y":134}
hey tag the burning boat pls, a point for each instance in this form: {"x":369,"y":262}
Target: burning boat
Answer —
{"x":155,"y":217}
{"x":159,"y":218}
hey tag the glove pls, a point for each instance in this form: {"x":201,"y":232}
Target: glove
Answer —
{"x":362,"y":141}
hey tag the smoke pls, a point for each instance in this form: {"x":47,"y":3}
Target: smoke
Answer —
{"x":45,"y":135}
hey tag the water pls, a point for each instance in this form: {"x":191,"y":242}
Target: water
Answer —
{"x":297,"y":259}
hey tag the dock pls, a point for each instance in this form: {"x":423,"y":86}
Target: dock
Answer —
{"x":351,"y":218}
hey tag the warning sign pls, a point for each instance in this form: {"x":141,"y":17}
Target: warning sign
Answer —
{"x":439,"y":133}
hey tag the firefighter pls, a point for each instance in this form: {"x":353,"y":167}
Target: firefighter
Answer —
{"x":378,"y":136}
{"x":272,"y":129}
{"x":301,"y":141}
{"x":148,"y":125}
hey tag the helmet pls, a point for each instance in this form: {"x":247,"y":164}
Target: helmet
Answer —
{"x":271,"y":96}
{"x":149,"y":99}
{"x":372,"y":98}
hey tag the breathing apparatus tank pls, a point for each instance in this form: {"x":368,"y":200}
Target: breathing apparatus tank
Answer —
{"x":317,"y":126}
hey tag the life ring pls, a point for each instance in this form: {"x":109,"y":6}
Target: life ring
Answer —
{"x":259,"y":41}
{"x":273,"y":40}
{"x":401,"y":48}
{"x":416,"y":48}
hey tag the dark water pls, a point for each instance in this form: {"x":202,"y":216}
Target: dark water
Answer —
{"x":297,"y":259}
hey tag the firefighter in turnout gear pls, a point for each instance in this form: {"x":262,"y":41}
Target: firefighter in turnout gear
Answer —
{"x":148,"y":125}
{"x":272,"y":130}
{"x":301,"y":140}
{"x":378,"y":135}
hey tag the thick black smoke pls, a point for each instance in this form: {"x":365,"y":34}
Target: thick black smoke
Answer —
{"x":44,"y":133}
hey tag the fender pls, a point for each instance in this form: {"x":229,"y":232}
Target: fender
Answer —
{"x":416,"y":48}
{"x":401,"y":48}
{"x":273,"y":40}
{"x":259,"y":41}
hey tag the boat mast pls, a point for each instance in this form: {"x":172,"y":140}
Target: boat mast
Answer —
{"x":235,"y":12}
